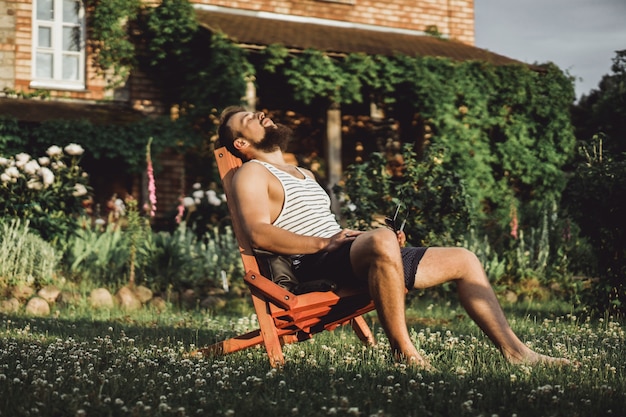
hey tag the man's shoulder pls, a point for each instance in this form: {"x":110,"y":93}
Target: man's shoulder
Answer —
{"x":251,"y":167}
{"x":250,"y":171}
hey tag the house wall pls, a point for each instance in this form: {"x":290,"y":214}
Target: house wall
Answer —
{"x":20,"y":45}
{"x":16,"y":39}
{"x":16,"y":62}
{"x":453,"y":18}
{"x":7,"y":44}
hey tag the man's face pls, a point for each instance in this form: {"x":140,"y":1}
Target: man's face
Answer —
{"x":276,"y":137}
{"x":261,"y":132}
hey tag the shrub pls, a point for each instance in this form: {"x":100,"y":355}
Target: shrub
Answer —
{"x":594,"y":200}
{"x":51,"y":191}
{"x":164,"y":261}
{"x":204,"y":209}
{"x":181,"y":260}
{"x":432,"y":200}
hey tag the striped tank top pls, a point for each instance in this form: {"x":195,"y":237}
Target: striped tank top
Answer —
{"x":306,"y":210}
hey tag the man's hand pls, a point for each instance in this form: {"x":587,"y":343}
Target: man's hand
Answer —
{"x":346,"y":235}
{"x":401,"y":238}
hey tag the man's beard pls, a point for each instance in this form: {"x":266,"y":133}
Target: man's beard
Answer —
{"x":275,"y":138}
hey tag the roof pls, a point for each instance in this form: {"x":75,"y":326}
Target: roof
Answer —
{"x":31,"y":110}
{"x":251,"y":30}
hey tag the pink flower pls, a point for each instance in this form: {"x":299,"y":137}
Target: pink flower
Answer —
{"x":514,"y":223}
{"x":151,"y":183}
{"x":180,"y":211}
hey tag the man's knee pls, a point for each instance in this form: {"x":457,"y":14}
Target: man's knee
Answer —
{"x":381,"y":244}
{"x":468,"y":257}
{"x":375,"y":249}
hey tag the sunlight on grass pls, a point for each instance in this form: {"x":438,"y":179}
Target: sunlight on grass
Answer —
{"x":136,"y":366}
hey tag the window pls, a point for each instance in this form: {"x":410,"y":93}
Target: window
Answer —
{"x":58,"y":44}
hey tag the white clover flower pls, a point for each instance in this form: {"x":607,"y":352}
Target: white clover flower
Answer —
{"x":197,"y":194}
{"x":79,"y":190}
{"x":74,"y":149}
{"x":44,"y":161}
{"x":196,"y":186}
{"x":3,"y":161}
{"x":5,"y":178}
{"x":31,"y":167}
{"x":47,"y":176}
{"x":54,"y":151}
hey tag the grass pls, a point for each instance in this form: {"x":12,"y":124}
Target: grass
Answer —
{"x":113,"y":364}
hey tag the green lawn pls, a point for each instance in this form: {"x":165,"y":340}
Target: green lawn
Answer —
{"x":113,"y":364}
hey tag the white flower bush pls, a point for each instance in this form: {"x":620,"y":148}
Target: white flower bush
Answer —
{"x":203,"y":208}
{"x":48,"y":190}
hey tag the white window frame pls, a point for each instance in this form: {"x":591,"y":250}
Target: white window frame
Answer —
{"x":56,"y":25}
{"x":350,"y":2}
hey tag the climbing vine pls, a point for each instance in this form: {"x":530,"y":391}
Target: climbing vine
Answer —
{"x":114,"y":51}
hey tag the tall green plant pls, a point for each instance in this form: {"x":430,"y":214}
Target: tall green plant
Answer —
{"x":24,"y":256}
{"x":98,"y":256}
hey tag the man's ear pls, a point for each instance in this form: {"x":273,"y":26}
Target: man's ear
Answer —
{"x":240,"y":143}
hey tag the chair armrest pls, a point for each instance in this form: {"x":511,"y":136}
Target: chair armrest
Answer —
{"x":270,"y":290}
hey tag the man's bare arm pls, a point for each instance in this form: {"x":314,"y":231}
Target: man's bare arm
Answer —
{"x":254,"y":199}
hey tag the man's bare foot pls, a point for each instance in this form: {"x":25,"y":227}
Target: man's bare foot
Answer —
{"x":534,"y":358}
{"x":416,"y":361}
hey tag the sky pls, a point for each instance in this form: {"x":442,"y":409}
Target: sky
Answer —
{"x":579,"y":36}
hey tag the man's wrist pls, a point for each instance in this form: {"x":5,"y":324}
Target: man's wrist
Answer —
{"x":323,"y":244}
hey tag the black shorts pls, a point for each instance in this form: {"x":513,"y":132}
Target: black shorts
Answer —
{"x":336,"y":266}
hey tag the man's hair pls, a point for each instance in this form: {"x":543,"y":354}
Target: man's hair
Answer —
{"x":225,"y":134}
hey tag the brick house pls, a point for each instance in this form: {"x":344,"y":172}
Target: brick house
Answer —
{"x":39,"y":51}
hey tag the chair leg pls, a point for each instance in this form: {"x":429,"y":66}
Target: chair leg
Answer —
{"x":363,"y":331}
{"x":269,"y":332}
{"x":234,"y":344}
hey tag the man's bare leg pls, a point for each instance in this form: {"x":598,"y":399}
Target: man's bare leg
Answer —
{"x":376,"y":255}
{"x":476,"y":295}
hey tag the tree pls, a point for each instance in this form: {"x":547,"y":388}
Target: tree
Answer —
{"x":604,"y":109}
{"x":593,"y":195}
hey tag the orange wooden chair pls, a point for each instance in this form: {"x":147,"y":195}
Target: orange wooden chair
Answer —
{"x":283,"y":316}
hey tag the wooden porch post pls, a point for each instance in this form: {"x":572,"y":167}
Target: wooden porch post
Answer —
{"x":251,"y":97}
{"x":333,"y":152}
